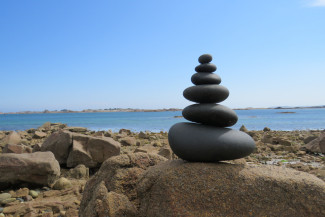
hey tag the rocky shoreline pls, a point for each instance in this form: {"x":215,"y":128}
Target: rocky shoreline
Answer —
{"x":134,"y":152}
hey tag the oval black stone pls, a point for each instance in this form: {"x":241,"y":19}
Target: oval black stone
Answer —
{"x":205,"y":78}
{"x":205,"y":58}
{"x":207,"y":67}
{"x":204,"y":143}
{"x":206,"y":93}
{"x":211,"y":114}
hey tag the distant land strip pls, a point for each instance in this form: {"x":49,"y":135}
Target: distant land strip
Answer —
{"x":145,"y":110}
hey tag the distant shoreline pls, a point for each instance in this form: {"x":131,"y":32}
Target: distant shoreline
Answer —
{"x":143,"y":110}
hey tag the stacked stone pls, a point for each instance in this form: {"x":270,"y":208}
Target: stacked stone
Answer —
{"x":208,"y":139}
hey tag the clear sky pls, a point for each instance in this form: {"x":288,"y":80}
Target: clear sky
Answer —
{"x":77,"y":54}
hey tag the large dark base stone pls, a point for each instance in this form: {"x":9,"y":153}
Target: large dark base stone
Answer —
{"x":202,"y":143}
{"x":210,"y":114}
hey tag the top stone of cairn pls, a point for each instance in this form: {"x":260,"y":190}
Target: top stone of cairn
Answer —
{"x":205,"y":58}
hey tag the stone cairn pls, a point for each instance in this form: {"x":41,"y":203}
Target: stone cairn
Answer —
{"x":208,"y":139}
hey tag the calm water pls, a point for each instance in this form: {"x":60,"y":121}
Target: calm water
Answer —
{"x":302,"y":119}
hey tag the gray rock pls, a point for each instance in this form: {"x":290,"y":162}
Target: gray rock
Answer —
{"x":79,"y":172}
{"x":205,"y":78}
{"x":197,"y":142}
{"x":206,"y":93}
{"x":205,"y":58}
{"x":206,"y":67}
{"x":77,"y":129}
{"x":210,"y":114}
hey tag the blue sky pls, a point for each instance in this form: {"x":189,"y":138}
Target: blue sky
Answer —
{"x":79,"y":54}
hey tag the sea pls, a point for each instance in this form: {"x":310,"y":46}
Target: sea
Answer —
{"x":256,"y":119}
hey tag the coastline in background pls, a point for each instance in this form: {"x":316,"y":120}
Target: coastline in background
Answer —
{"x":254,"y":119}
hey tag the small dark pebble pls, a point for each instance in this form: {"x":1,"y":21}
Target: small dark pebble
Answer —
{"x":205,"y":58}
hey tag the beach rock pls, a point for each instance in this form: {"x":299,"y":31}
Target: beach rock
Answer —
{"x":46,"y":126}
{"x":79,"y":155}
{"x":37,"y":147}
{"x":17,"y":149}
{"x":110,"y":204}
{"x":39,"y":168}
{"x":206,"y":67}
{"x":22,"y":192}
{"x":205,"y":78}
{"x":59,"y":143}
{"x":76,"y":129}
{"x":79,"y":172}
{"x":128,"y":141}
{"x":317,"y":145}
{"x":62,"y":183}
{"x":39,"y":135}
{"x":205,"y":58}
{"x":309,"y":139}
{"x":33,"y":193}
{"x":118,"y":174}
{"x":203,"y":143}
{"x":243,"y":129}
{"x":210,"y":114}
{"x":266,"y":129}
{"x":87,"y":150}
{"x":147,"y":149}
{"x":166,"y":152}
{"x":4,"y":196}
{"x":13,"y":138}
{"x":206,"y":93}
{"x":179,"y":188}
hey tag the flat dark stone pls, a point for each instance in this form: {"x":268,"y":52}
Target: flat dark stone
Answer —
{"x":205,"y":58}
{"x":205,"y":78}
{"x":207,"y":67}
{"x":203,"y":143}
{"x":211,"y":114}
{"x":206,"y":93}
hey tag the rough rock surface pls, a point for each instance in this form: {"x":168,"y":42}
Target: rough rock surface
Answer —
{"x":17,"y":149}
{"x":59,"y":144}
{"x":73,"y":149}
{"x":120,"y":175}
{"x":178,"y":188}
{"x":13,"y":138}
{"x":317,"y":145}
{"x":36,"y":168}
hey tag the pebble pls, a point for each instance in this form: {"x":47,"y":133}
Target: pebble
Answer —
{"x":207,"y":67}
{"x":4,"y":196}
{"x":205,"y":78}
{"x":1,"y":209}
{"x":2,"y":215}
{"x":205,"y":58}
{"x":210,"y":114}
{"x":206,"y":93}
{"x":20,"y":199}
{"x":9,"y":200}
{"x":33,"y":193}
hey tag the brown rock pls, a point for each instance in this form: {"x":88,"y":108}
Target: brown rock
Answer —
{"x":166,"y":152}
{"x":79,"y":172}
{"x":13,"y":138}
{"x":77,"y":129}
{"x":317,"y":145}
{"x":62,"y":183}
{"x":37,"y":168}
{"x":22,"y":192}
{"x":147,"y":149}
{"x":39,"y":135}
{"x":179,"y":188}
{"x":17,"y":149}
{"x":92,"y":151}
{"x":128,"y":141}
{"x":59,"y":143}
{"x":119,"y":174}
{"x":37,"y":147}
{"x":243,"y":129}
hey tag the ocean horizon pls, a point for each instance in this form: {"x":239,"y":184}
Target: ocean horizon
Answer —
{"x":275,"y":119}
